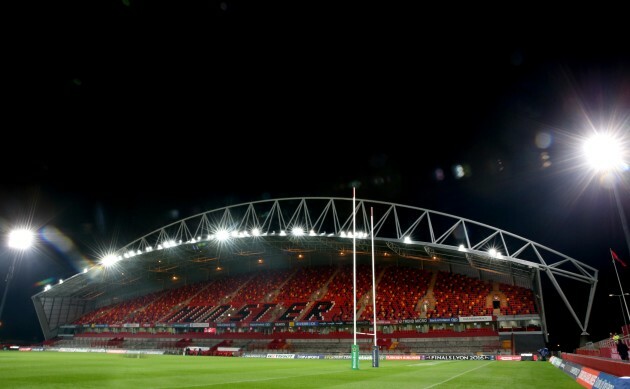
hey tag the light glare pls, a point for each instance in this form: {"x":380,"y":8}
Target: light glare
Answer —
{"x":20,"y":239}
{"x":109,"y":260}
{"x":603,"y":152}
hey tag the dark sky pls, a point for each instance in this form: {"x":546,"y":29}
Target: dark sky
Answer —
{"x":120,"y":117}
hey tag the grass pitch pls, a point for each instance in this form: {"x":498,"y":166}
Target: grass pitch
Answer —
{"x":93,"y":370}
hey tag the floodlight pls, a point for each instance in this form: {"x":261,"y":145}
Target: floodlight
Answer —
{"x":21,"y":239}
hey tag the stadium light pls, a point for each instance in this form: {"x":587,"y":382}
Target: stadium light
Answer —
{"x":19,"y":240}
{"x":605,"y":155}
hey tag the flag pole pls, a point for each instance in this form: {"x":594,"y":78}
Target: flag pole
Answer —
{"x":623,"y":296}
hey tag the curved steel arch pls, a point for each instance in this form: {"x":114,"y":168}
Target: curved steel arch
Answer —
{"x":325,"y":223}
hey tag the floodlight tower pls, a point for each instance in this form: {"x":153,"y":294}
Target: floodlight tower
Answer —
{"x":605,"y":155}
{"x":19,"y":241}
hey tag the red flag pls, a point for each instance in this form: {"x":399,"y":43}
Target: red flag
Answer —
{"x":616,"y":258}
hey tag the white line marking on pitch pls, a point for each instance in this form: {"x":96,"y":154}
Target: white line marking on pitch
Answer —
{"x":460,"y":374}
{"x":259,"y":379}
{"x":430,"y":363}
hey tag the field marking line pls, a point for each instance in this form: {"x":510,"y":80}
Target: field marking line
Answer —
{"x":260,"y":379}
{"x":430,"y":363}
{"x":458,"y":375}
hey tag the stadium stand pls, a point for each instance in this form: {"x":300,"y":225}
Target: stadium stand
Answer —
{"x":233,"y":305}
{"x":278,"y":275}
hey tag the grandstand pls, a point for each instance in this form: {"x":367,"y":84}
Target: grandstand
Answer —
{"x":277,"y":276}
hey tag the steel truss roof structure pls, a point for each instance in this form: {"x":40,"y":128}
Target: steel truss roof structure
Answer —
{"x":277,"y":231}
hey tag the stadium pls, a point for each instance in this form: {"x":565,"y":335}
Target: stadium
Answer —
{"x":277,"y":276}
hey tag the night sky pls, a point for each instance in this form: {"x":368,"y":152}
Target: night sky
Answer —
{"x":121,"y":117}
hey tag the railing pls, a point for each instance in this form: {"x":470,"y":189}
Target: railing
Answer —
{"x":604,"y":348}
